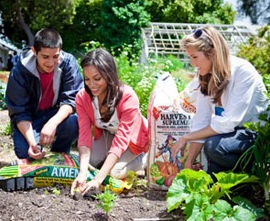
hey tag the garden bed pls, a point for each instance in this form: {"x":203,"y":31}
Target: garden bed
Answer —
{"x":45,"y":203}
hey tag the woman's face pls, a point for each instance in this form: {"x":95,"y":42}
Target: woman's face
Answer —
{"x":95,"y":82}
{"x":200,"y":61}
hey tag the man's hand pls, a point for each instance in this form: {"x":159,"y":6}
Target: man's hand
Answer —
{"x":47,"y":133}
{"x":35,"y":153}
{"x":49,"y":129}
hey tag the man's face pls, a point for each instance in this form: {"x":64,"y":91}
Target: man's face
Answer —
{"x":47,"y":59}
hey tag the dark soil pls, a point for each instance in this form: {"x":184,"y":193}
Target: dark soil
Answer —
{"x":44,"y":204}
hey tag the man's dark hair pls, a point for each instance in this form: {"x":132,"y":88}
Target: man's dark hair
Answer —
{"x":47,"y":38}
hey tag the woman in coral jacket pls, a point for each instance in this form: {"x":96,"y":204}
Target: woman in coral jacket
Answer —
{"x":109,"y":111}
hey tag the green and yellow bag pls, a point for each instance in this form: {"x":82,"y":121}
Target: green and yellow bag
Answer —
{"x":54,"y":168}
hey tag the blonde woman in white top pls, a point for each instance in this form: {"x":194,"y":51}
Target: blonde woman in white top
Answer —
{"x":231,"y":92}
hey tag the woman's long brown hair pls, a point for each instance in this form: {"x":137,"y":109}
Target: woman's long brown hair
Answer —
{"x":103,"y":61}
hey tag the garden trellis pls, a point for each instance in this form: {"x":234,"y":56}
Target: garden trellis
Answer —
{"x":164,"y":38}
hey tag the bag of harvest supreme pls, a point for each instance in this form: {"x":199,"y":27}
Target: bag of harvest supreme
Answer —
{"x":169,"y":117}
{"x":54,"y":168}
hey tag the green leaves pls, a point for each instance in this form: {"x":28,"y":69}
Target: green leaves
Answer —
{"x":258,"y":154}
{"x":122,"y":22}
{"x":257,"y":51}
{"x":224,"y":212}
{"x":191,"y":11}
{"x":200,"y":197}
{"x":56,"y":191}
{"x":198,"y":209}
{"x":107,"y":200}
{"x":259,"y":212}
{"x":177,"y":193}
{"x":142,"y":78}
{"x":228,"y":180}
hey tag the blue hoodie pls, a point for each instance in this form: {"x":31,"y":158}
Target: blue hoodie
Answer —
{"x":23,"y":92}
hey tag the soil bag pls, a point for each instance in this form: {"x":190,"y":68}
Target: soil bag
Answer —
{"x":169,"y":117}
{"x":53,"y":168}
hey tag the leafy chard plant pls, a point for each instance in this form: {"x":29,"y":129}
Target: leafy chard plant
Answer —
{"x":107,"y":200}
{"x":258,"y":155}
{"x":200,"y":196}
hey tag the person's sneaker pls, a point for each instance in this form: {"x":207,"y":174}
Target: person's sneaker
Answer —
{"x":140,"y":173}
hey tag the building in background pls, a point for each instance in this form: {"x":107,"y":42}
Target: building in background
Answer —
{"x":7,"y":50}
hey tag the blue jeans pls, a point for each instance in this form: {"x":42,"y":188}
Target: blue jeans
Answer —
{"x":224,"y":150}
{"x":66,"y":133}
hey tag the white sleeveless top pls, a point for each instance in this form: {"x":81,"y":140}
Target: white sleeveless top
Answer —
{"x":112,"y":125}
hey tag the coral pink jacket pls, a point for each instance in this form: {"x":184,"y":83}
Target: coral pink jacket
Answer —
{"x":132,"y":131}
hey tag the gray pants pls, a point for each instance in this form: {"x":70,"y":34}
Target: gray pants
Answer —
{"x":127,"y":162}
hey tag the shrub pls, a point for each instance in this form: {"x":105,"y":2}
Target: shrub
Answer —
{"x":3,"y":104}
{"x":257,"y":50}
{"x":142,"y":78}
{"x":122,"y":22}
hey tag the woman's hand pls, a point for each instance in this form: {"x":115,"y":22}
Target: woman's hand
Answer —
{"x":79,"y":182}
{"x":180,"y":145}
{"x":188,"y":165}
{"x":94,"y":183}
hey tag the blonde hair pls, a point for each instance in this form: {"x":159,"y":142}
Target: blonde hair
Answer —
{"x":208,"y":40}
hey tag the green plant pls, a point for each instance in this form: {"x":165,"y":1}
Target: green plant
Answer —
{"x":258,"y":212}
{"x":56,"y":191}
{"x":195,"y":11}
{"x":136,"y":182}
{"x":126,"y":18}
{"x":200,"y":196}
{"x":257,"y":50}
{"x":107,"y":200}
{"x":3,"y":104}
{"x":142,"y":78}
{"x":259,"y":153}
{"x":7,"y":130}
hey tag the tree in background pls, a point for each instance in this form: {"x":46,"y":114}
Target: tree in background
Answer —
{"x":258,"y":11}
{"x":84,"y":27}
{"x":191,"y":11}
{"x":113,"y":23}
{"x":121,"y":23}
{"x":257,"y":50}
{"x":23,"y":18}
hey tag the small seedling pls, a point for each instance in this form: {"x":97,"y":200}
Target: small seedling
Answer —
{"x":107,"y":200}
{"x":76,"y":190}
{"x":132,"y":177}
{"x":56,"y":191}
{"x":7,"y":130}
{"x":45,"y":192}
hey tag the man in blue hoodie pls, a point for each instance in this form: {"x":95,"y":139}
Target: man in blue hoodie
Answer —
{"x":40,"y":96}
